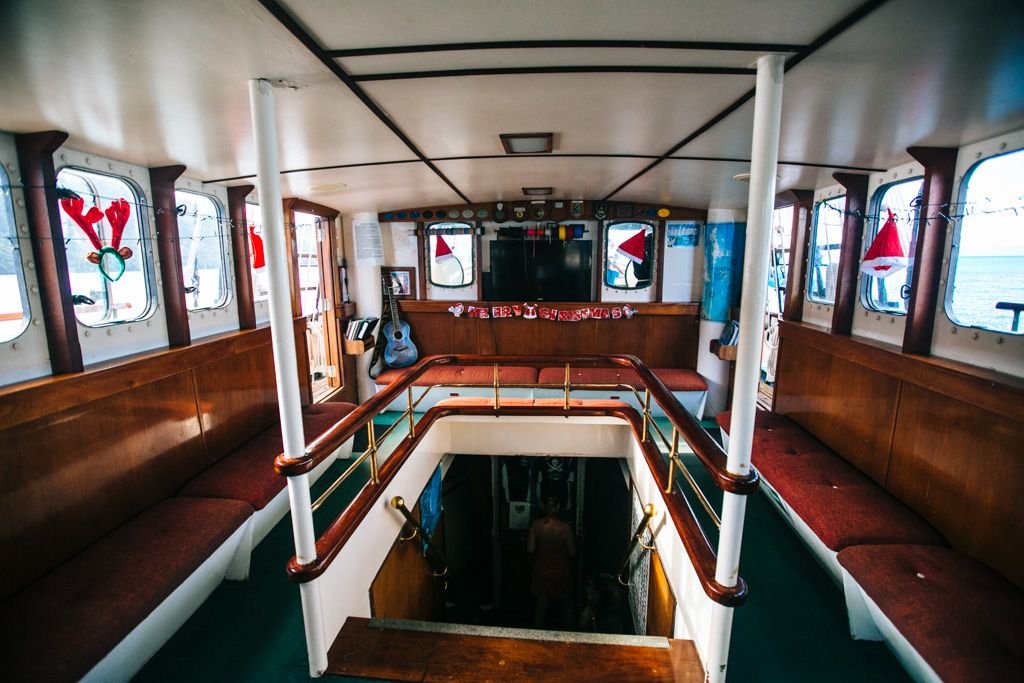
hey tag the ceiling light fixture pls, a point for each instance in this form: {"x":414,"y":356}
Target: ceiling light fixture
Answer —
{"x":527,"y":143}
{"x":537,"y":191}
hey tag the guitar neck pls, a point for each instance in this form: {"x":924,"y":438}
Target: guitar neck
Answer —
{"x":391,"y":305}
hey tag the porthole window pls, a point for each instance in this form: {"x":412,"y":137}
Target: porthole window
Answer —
{"x":204,"y":263}
{"x":257,"y":258}
{"x":451,"y":254}
{"x":629,"y":255}
{"x":889,"y":291}
{"x":826,"y":243}
{"x":986,"y":277}
{"x":14,"y":310}
{"x":107,"y":262}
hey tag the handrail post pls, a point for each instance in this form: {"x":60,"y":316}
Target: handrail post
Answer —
{"x":412,"y":421}
{"x":761,"y":201}
{"x":435,"y":556}
{"x":567,"y":374}
{"x":282,"y":333}
{"x":672,"y":459}
{"x":497,"y":399}
{"x":647,"y":411}
{"x":372,"y":439}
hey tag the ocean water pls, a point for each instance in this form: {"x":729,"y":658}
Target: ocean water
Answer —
{"x":982,"y":281}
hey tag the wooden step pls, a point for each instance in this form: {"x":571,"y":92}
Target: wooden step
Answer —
{"x":372,"y":650}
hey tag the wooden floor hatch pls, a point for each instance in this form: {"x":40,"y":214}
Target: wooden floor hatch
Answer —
{"x":392,"y":651}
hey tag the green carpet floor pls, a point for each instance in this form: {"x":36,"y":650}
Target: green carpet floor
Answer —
{"x":793,"y":627}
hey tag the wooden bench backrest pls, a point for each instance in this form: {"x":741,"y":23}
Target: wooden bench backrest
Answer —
{"x":944,"y":439}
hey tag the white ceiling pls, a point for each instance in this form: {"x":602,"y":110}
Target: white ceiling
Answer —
{"x":156,"y":83}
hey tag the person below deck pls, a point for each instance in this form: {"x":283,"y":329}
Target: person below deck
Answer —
{"x":553,"y":547}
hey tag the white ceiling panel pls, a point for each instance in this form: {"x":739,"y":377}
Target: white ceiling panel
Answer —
{"x":341,"y":24}
{"x":505,"y":178}
{"x":591,"y":113}
{"x":366,"y":187}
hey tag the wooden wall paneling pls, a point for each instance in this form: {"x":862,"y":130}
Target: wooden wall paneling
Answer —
{"x":661,"y":604}
{"x":849,"y":256}
{"x":802,"y":202}
{"x":39,"y":180}
{"x":659,"y":262}
{"x":237,"y":398}
{"x":961,"y":468}
{"x":404,"y":587}
{"x":127,"y":450}
{"x":939,"y":168}
{"x":851,"y":408}
{"x":168,"y":242}
{"x":431,"y":332}
{"x":241,"y":256}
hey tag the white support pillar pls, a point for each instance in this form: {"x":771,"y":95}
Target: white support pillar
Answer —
{"x":764,"y":159}
{"x":282,"y":332}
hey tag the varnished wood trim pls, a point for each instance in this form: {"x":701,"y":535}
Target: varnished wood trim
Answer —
{"x":241,"y":256}
{"x":478,"y":268}
{"x":993,"y":391}
{"x":409,"y":306}
{"x":304,"y":206}
{"x":659,"y":263}
{"x":939,"y":166}
{"x":802,"y":202}
{"x":292,"y":248}
{"x":422,"y":243}
{"x":856,"y":186}
{"x":699,"y":550}
{"x":20,"y":403}
{"x":39,"y":178}
{"x":161,"y":181}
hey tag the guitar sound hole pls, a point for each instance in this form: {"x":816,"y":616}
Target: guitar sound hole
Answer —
{"x":398,"y":335}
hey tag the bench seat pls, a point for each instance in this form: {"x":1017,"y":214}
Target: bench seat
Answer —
{"x":689,"y":388}
{"x":944,"y":615}
{"x":828,"y":501}
{"x":481,"y":377}
{"x":247,"y":473}
{"x":60,"y":627}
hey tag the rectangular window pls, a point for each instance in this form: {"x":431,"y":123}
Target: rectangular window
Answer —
{"x":986,"y":278}
{"x":629,"y":255}
{"x":109,"y":271}
{"x":889,"y":290}
{"x":451,"y":254}
{"x":309,"y":231}
{"x":826,"y":243}
{"x":14,"y":310}
{"x":204,"y":264}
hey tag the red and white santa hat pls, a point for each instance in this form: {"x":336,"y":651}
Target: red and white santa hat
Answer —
{"x":886,"y":254}
{"x":634,"y":247}
{"x":442,"y":252}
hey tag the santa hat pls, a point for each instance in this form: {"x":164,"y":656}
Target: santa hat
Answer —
{"x":442,"y":252}
{"x":635,"y":247}
{"x":885,"y":255}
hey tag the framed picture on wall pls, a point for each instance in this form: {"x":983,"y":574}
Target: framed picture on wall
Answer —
{"x":402,"y":279}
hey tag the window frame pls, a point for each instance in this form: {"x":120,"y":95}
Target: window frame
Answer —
{"x":954,"y":248}
{"x":607,"y":228}
{"x":812,"y":247}
{"x":429,"y":256}
{"x":139,"y":205}
{"x":874,"y":226}
{"x":16,"y":258}
{"x":222,"y":246}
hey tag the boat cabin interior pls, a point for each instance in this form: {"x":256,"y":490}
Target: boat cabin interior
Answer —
{"x":453,"y":340}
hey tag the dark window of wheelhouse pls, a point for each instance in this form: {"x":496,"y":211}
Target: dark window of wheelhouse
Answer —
{"x":826,"y":244}
{"x":889,"y":291}
{"x":629,"y":255}
{"x":986,"y":273}
{"x":451,"y":254}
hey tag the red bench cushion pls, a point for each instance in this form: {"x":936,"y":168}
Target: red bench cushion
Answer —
{"x":247,"y":473}
{"x":61,"y":626}
{"x":675,"y":379}
{"x":963,"y":618}
{"x":480,"y":375}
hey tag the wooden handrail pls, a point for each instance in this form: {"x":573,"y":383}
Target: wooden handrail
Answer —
{"x":697,"y":546}
{"x":703,"y":445}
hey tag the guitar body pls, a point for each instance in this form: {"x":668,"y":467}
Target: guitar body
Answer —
{"x":399,"y":352}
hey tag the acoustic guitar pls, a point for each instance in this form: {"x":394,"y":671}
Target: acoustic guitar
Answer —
{"x":399,"y":352}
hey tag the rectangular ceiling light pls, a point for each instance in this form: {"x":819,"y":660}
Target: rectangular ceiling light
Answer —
{"x":527,"y":143}
{"x":537,"y":191}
